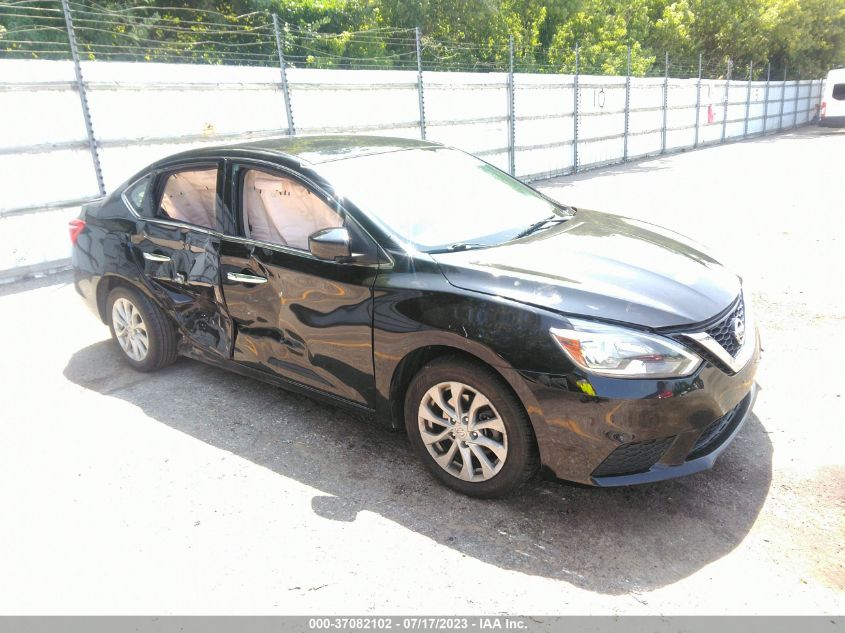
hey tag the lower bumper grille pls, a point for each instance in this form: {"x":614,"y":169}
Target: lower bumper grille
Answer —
{"x":713,"y":436}
{"x":632,"y":458}
{"x":638,"y":457}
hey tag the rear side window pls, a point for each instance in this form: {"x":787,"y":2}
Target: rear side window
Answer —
{"x":281,"y":210}
{"x":191,"y":196}
{"x":839,"y":92}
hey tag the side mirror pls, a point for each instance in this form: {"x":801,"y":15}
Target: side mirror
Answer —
{"x":330,"y":244}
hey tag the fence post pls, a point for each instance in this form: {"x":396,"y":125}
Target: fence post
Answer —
{"x":665,"y":102}
{"x":511,"y":112}
{"x":83,"y":99}
{"x":766,"y":107}
{"x":627,"y":106}
{"x":725,"y":109}
{"x":782,"y":98}
{"x":282,"y":67}
{"x":697,"y":102}
{"x":575,"y":109}
{"x":420,"y":92}
{"x":748,"y":99}
{"x":795,"y":105}
{"x":810,"y":97}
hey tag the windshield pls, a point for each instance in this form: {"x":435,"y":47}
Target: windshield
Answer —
{"x":438,"y":198}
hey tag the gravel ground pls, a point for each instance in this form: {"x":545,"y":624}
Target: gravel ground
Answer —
{"x":197,"y":491}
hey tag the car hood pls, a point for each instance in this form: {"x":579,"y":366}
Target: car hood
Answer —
{"x":599,"y":265}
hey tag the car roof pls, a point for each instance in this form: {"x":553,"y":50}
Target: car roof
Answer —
{"x":309,"y":150}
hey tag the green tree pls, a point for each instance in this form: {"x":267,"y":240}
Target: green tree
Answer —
{"x":673,"y":30}
{"x":807,"y":36}
{"x":602,"y":29}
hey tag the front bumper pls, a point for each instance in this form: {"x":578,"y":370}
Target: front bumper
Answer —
{"x":616,"y":432}
{"x":696,"y":461}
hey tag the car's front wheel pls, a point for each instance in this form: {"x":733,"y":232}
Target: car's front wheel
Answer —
{"x":142,"y":331}
{"x":469,"y":429}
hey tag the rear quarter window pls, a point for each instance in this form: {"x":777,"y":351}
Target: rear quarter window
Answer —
{"x":839,"y":92}
{"x":136,"y":194}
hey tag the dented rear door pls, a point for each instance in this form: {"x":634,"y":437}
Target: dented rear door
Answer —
{"x":180,"y":257}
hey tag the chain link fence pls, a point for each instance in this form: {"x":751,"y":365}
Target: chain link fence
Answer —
{"x":91,"y":95}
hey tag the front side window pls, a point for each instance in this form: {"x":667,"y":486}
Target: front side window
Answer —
{"x":191,"y":196}
{"x":281,"y":210}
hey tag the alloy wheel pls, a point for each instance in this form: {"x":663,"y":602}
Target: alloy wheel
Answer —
{"x":130,"y":329}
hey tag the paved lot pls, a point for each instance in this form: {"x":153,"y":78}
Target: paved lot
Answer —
{"x":193,"y":490}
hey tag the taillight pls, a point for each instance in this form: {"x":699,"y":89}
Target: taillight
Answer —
{"x":75,"y":227}
{"x":823,"y":109}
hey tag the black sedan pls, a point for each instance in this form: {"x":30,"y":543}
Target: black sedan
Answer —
{"x":504,"y":331}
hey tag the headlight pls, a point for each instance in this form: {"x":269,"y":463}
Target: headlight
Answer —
{"x":614,"y":351}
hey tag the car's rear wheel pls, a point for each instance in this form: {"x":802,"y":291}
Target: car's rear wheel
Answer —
{"x":143,"y":333}
{"x":469,"y":429}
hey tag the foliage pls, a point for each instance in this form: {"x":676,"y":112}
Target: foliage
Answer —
{"x":805,"y":36}
{"x":603,"y":30}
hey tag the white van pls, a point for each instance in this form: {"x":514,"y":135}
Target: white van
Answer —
{"x":832,"y":111}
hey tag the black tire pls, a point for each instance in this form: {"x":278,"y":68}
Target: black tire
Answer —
{"x":161,"y":334}
{"x":522,"y":460}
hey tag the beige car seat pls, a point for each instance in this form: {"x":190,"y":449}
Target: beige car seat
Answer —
{"x":189,"y":196}
{"x":282,"y":211}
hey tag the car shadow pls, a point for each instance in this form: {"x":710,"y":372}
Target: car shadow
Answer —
{"x":612,"y":541}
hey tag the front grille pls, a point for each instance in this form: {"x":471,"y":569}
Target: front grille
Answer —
{"x":634,"y":457}
{"x":716,"y":432}
{"x":723,"y":331}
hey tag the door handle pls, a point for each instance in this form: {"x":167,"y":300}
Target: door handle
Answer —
{"x":246,"y":279}
{"x":155,"y":257}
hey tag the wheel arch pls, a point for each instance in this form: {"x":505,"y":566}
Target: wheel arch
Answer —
{"x":108,"y":283}
{"x":415,"y":360}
